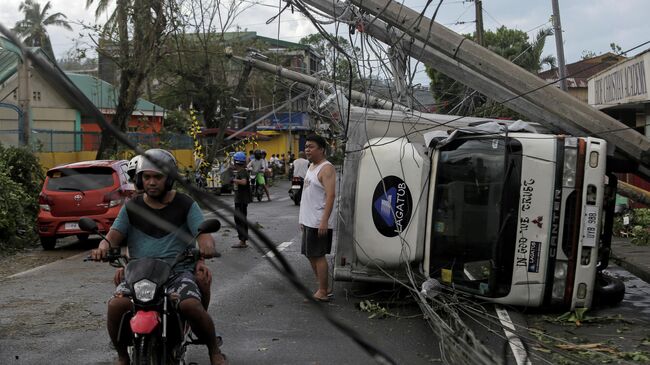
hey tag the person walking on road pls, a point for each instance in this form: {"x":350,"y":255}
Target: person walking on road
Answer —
{"x":315,"y":215}
{"x":242,"y":198}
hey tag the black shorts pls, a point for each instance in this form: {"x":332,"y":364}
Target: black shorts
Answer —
{"x":314,"y":245}
{"x":182,"y":284}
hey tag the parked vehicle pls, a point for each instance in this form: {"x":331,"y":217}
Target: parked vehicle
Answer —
{"x":513,"y":218}
{"x":158,"y":334}
{"x":295,"y":192}
{"x":218,"y":179}
{"x":96,"y":189}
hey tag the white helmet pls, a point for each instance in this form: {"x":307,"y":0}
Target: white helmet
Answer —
{"x":132,"y":167}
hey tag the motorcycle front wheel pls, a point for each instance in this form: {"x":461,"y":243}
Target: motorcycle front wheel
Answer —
{"x":147,"y":351}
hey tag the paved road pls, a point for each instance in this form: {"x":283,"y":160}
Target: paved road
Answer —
{"x":55,"y":314}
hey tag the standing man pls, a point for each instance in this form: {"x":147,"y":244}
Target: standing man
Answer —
{"x":300,"y":165}
{"x":316,"y":207}
{"x":242,"y":198}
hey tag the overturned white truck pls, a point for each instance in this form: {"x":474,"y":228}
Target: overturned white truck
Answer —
{"x":494,"y":209}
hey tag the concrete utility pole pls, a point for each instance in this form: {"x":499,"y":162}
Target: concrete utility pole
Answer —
{"x":478,"y":5}
{"x":369,"y":100}
{"x":494,"y":76}
{"x":24,"y":101}
{"x":559,"y":45}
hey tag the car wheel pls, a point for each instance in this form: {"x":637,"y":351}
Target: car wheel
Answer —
{"x":83,"y":237}
{"x":608,"y":290}
{"x":48,"y":243}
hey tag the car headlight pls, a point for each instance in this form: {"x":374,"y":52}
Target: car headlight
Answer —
{"x":570,"y":164}
{"x":144,"y":290}
{"x":559,"y":282}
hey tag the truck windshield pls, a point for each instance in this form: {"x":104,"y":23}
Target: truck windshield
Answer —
{"x":475,"y":214}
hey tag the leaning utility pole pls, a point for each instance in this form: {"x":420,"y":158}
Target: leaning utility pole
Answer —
{"x":559,"y":45}
{"x":490,"y":74}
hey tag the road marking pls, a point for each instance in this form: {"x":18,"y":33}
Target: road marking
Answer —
{"x":279,"y":247}
{"x":516,"y":346}
{"x":39,"y":268}
{"x":283,"y":199}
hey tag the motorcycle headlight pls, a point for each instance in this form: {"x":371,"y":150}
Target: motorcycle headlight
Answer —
{"x":570,"y":164}
{"x":144,"y":290}
{"x":559,"y":283}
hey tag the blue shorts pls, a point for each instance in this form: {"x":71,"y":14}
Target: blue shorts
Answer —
{"x":182,"y":285}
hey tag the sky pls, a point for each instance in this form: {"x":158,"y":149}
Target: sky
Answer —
{"x":588,"y":25}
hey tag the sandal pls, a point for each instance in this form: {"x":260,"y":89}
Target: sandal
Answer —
{"x":239,"y":245}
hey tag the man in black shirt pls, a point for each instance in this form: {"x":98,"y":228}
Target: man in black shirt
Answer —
{"x":242,"y":198}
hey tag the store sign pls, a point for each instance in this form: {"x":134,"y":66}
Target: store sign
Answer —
{"x":625,"y":83}
{"x":392,"y":206}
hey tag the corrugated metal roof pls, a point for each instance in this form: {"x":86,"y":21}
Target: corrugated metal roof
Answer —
{"x":579,"y":72}
{"x":105,"y":95}
{"x":9,"y":59}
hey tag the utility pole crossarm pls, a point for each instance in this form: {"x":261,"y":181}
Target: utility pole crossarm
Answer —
{"x":571,"y":113}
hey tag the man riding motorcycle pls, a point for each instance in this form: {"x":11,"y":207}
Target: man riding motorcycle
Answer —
{"x":153,"y":225}
{"x":258,"y":167}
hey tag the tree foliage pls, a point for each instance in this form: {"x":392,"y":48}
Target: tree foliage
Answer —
{"x":32,"y":28}
{"x":21,"y":179}
{"x":336,"y":64}
{"x":132,"y":37}
{"x":196,"y":71}
{"x":511,"y":44}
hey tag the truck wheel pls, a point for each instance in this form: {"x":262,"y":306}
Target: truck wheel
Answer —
{"x":48,"y":243}
{"x":608,"y":291}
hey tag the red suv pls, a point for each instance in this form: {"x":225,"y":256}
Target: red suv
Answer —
{"x":94,"y":189}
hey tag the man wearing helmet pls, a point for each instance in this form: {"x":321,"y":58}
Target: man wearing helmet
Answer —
{"x":258,"y":166}
{"x":153,"y":225}
{"x":242,"y":198}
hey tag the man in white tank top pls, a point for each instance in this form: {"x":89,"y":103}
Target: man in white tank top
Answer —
{"x":316,"y":207}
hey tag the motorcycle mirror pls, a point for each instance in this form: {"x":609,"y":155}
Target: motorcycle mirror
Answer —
{"x":210,"y":226}
{"x":87,"y":224}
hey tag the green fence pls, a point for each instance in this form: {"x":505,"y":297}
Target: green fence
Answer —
{"x":45,"y":140}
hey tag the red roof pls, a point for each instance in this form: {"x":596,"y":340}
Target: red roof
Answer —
{"x":579,"y":72}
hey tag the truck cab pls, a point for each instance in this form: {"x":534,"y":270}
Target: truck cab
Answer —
{"x":514,"y":218}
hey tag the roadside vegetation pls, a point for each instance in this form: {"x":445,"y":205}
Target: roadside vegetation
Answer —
{"x":636,"y":226}
{"x":21,"y":178}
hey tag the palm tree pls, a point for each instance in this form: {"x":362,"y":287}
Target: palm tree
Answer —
{"x":32,"y":27}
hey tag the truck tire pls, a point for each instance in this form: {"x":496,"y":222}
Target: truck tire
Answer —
{"x":48,"y":243}
{"x":608,"y":290}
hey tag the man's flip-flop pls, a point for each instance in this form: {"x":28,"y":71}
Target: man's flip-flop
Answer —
{"x":239,"y":246}
{"x":323,"y":300}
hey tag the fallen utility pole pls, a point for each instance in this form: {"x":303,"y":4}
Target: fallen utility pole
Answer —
{"x":482,"y":70}
{"x":366,"y":99}
{"x":275,"y":110}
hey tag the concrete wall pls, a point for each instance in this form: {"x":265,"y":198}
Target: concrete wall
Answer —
{"x":51,"y":159}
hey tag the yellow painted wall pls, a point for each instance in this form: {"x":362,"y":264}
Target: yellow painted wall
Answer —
{"x":51,"y":159}
{"x":277,"y":145}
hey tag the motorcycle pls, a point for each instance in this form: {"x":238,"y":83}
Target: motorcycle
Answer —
{"x":257,"y":190}
{"x":295,"y":192}
{"x":158,"y":334}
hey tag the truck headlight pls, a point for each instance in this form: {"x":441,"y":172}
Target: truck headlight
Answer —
{"x":570,"y":164}
{"x":559,"y":282}
{"x":144,"y":290}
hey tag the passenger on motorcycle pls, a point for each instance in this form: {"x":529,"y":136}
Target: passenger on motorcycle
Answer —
{"x":132,"y":167}
{"x":152,"y":225}
{"x":258,"y":166}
